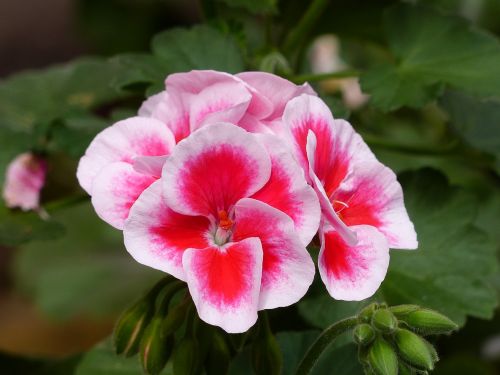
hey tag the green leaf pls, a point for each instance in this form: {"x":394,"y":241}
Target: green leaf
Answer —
{"x":102,"y":360}
{"x":446,"y":51}
{"x":255,"y":6}
{"x":17,"y":227}
{"x":477,"y":121}
{"x":451,"y":270}
{"x":179,"y":50}
{"x":201,"y":47}
{"x":40,"y":97}
{"x":81,"y":273}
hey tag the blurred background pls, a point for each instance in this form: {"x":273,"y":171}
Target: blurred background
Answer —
{"x":61,"y":294}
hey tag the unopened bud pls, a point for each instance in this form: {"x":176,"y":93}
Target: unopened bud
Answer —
{"x":155,"y":348}
{"x":363,"y":334}
{"x":402,"y":310}
{"x":384,"y":321}
{"x":404,"y":369}
{"x":415,"y":350}
{"x":382,"y":358}
{"x":429,"y":322}
{"x":185,"y":359}
{"x":365,"y":315}
{"x":130,"y":327}
{"x":174,"y":319}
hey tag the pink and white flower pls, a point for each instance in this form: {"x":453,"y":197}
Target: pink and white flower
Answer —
{"x":24,"y":180}
{"x":363,"y":212}
{"x":231,"y":216}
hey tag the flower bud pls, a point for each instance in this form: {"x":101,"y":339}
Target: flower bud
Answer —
{"x":384,"y":321}
{"x":174,"y":319}
{"x":415,"y":350}
{"x":155,"y":348}
{"x":130,"y":327}
{"x":363,"y":334}
{"x":429,"y":322}
{"x":365,"y":315}
{"x":219,"y":356}
{"x":404,"y":369}
{"x":382,"y":358}
{"x":185,"y":359}
{"x":402,"y":310}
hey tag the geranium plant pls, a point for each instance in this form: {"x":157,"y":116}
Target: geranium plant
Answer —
{"x":273,"y":190}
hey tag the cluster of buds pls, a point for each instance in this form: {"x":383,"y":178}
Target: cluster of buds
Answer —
{"x":163,"y":326}
{"x":390,"y":338}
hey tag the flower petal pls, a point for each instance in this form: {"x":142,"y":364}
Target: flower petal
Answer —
{"x":122,"y":142}
{"x":287,"y":270}
{"x":373,"y":196}
{"x":275,"y":89}
{"x":353,"y":273}
{"x":220,"y":102}
{"x":213,"y":169}
{"x":157,"y":237}
{"x":288,"y":191}
{"x":24,"y":180}
{"x":169,"y":109}
{"x":224,"y":283}
{"x":327,"y":210}
{"x":338,"y":145}
{"x":150,"y":165}
{"x":115,"y":190}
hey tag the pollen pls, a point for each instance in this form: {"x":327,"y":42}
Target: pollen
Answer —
{"x":224,"y":221}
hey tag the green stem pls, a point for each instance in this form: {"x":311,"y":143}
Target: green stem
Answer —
{"x":324,"y":76}
{"x":306,"y":24}
{"x":322,"y":342}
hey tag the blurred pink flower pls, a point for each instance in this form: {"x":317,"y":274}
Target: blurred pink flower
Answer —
{"x":24,"y":180}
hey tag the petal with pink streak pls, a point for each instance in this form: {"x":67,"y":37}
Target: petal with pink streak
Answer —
{"x":221,"y":102}
{"x":288,"y":191}
{"x":278,"y":91}
{"x":169,"y":109}
{"x":371,"y":195}
{"x":150,"y":165}
{"x":225,"y":283}
{"x":115,"y":190}
{"x":157,"y":237}
{"x":327,"y":209}
{"x":287,"y":268}
{"x":213,"y":169}
{"x":353,"y":273}
{"x":338,"y":145}
{"x":122,"y":142}
{"x":24,"y":180}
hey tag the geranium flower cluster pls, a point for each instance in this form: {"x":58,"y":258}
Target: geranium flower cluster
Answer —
{"x":224,"y":180}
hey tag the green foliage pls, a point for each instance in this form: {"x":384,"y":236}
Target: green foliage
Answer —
{"x":477,"y":121}
{"x":81,"y":273}
{"x":430,"y":50}
{"x":102,"y":360}
{"x":451,"y":269}
{"x":20,"y":227}
{"x":180,"y":50}
{"x":254,"y":6}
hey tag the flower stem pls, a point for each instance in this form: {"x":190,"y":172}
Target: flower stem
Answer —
{"x":324,"y":76}
{"x":297,"y":35}
{"x":322,"y":342}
